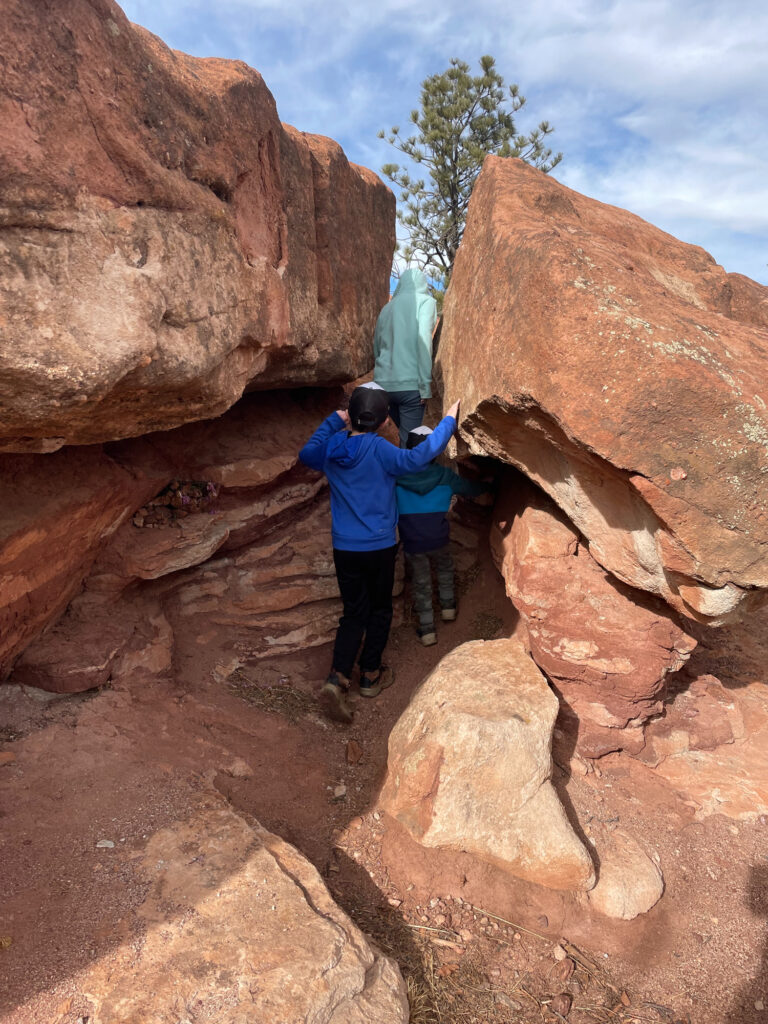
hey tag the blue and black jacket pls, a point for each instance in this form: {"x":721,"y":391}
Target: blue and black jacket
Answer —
{"x":361,"y":471}
{"x":423,"y":499}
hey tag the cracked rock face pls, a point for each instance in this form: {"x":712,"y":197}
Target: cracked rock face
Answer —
{"x":469,"y":767}
{"x":165,"y":243}
{"x":627,"y":375}
{"x":253,"y":935}
{"x":606,"y":647}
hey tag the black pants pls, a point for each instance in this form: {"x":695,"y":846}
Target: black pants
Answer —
{"x":366,"y":579}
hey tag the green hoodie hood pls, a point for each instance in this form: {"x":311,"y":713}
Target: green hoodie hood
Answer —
{"x":402,"y":342}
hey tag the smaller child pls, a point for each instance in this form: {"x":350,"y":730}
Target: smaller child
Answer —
{"x":423,"y":499}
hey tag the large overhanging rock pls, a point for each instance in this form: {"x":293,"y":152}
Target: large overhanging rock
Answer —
{"x":606,"y":647}
{"x":165,"y":243}
{"x":607,"y":360}
{"x":469,"y":767}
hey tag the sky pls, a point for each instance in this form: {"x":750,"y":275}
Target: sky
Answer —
{"x":659,"y":106}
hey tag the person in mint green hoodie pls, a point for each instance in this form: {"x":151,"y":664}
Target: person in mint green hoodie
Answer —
{"x":402,"y":348}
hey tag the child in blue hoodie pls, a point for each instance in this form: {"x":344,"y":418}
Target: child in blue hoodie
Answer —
{"x":423,"y":499}
{"x":362,"y":468}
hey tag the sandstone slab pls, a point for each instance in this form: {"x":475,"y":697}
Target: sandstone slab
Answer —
{"x":165,"y":243}
{"x":253,"y":935}
{"x":469,"y":767}
{"x":626,"y":374}
{"x":606,"y":647}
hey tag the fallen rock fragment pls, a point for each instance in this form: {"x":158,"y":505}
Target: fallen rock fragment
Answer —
{"x":629,"y":882}
{"x":469,"y":766}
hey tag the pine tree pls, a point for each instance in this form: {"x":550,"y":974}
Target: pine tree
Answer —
{"x":462,"y":119}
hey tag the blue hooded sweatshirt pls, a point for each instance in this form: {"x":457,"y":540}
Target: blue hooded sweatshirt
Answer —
{"x":362,"y":470}
{"x":402,"y":341}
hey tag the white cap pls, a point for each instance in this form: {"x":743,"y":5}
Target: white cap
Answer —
{"x":425,"y":431}
{"x":373,"y":385}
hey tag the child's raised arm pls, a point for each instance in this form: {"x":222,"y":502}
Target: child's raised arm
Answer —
{"x":399,"y":461}
{"x":313,"y":452}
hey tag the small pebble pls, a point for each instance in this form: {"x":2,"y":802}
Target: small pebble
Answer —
{"x":105,"y":844}
{"x":559,"y":953}
{"x":339,"y":792}
{"x":394,"y":903}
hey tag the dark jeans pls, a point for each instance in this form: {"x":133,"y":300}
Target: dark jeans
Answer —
{"x":406,"y":411}
{"x":366,"y":579}
{"x":420,"y":568}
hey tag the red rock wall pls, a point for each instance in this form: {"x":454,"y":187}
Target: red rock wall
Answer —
{"x":165,"y":243}
{"x":625,"y":373}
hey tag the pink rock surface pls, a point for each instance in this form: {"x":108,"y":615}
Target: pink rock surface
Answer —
{"x":56,"y":512}
{"x":625,"y":373}
{"x":165,"y":242}
{"x":605,"y":647}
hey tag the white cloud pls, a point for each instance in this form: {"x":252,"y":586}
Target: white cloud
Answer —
{"x":660,"y":106}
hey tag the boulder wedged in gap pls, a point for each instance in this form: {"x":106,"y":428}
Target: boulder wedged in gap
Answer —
{"x":612,"y":367}
{"x":469,"y":767}
{"x":254,"y":935}
{"x":606,"y":647}
{"x":165,"y":243}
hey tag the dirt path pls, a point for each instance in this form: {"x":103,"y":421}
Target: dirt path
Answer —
{"x":115,"y":766}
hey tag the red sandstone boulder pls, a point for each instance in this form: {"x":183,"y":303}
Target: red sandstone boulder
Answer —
{"x":626,"y":374}
{"x":605,"y":647}
{"x":165,"y":242}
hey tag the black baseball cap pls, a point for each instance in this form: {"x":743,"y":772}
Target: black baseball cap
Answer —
{"x":368,"y":407}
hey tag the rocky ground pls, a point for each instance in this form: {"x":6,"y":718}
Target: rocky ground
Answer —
{"x":89,"y":782}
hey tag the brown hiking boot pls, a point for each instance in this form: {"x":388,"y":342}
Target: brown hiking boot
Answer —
{"x":371,"y":686}
{"x":333,"y":697}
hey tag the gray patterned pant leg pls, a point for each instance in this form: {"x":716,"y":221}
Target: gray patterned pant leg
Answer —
{"x":421,"y":588}
{"x":444,"y":566}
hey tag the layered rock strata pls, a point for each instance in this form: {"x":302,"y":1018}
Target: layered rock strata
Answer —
{"x":469,"y":767}
{"x":254,"y":567}
{"x":625,"y":373}
{"x":165,"y":243}
{"x":605,"y":647}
